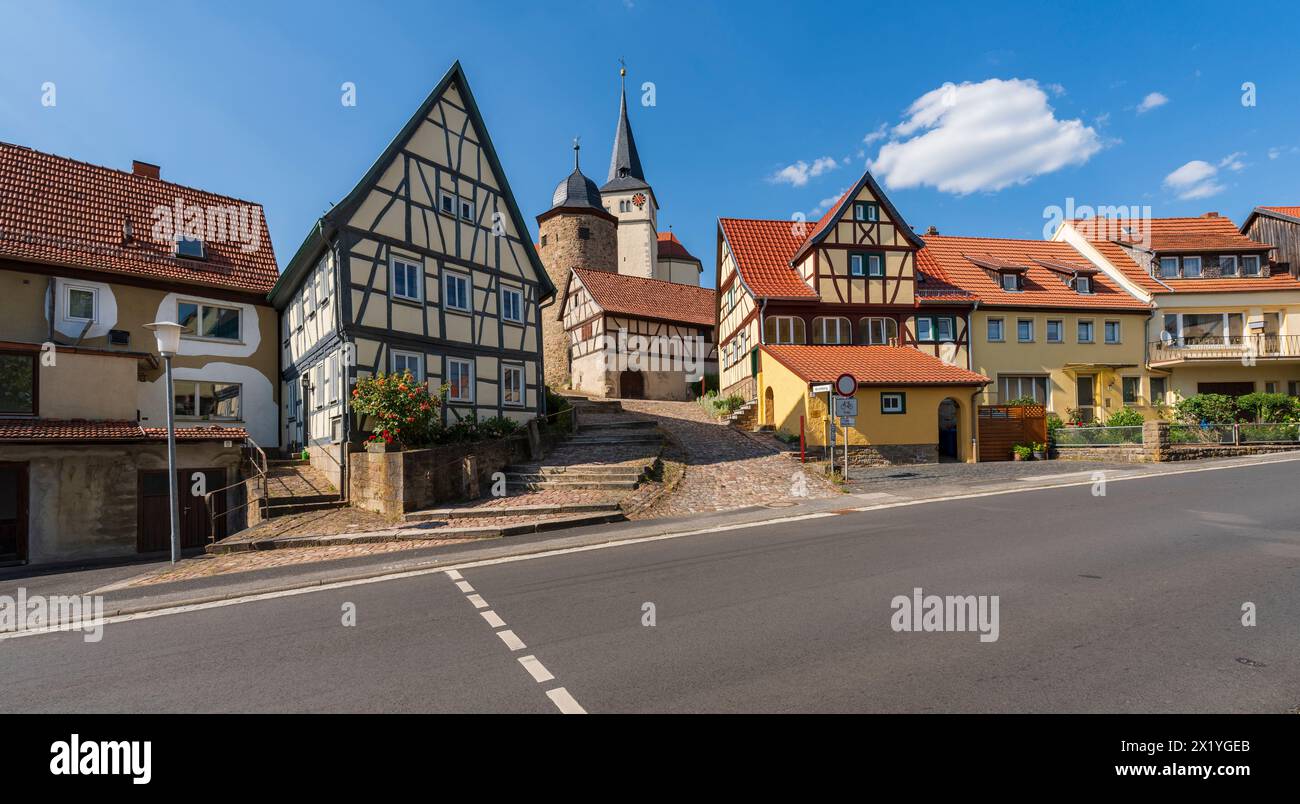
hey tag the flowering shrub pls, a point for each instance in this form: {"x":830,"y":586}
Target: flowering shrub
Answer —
{"x":401,"y":409}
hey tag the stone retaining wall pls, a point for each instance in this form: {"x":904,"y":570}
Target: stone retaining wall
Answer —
{"x":392,"y":483}
{"x":868,"y":455}
{"x":1156,"y":448}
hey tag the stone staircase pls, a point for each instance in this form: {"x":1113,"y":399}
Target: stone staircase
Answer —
{"x":744,"y":417}
{"x":295,"y":487}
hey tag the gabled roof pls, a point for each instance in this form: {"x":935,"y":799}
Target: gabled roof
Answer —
{"x":838,"y":209}
{"x":1290,"y":214}
{"x":650,"y":298}
{"x":969,"y":261}
{"x":62,"y":212}
{"x":1113,"y":237}
{"x":872,"y":365}
{"x":305,"y":258}
{"x":625,"y":171}
{"x":671,"y":247}
{"x":106,"y":430}
{"x":762,"y":250}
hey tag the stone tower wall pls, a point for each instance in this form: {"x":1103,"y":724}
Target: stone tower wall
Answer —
{"x":562,"y":249}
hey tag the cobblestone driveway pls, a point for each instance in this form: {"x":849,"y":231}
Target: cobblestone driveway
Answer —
{"x":725,"y":468}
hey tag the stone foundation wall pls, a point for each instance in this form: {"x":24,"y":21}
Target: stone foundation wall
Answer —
{"x":392,"y":483}
{"x":1156,"y":448}
{"x":1120,"y":453}
{"x":868,"y":455}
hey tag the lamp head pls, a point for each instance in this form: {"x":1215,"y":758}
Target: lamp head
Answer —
{"x":168,"y":335}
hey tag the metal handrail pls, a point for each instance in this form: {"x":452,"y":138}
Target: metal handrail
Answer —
{"x":1227,"y":346}
{"x":260,"y":475}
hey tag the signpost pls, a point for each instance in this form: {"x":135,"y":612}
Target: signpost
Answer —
{"x":845,"y":406}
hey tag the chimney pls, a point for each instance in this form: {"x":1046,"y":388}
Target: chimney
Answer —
{"x":145,"y":169}
{"x":933,"y":230}
{"x":1210,"y":215}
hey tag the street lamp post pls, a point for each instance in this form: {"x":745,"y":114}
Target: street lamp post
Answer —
{"x":168,"y":334}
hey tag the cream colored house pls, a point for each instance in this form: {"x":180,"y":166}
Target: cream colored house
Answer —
{"x":1225,"y":319}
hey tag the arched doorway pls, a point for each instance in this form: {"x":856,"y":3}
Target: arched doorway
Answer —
{"x":769,"y":415}
{"x":631,"y":385}
{"x":949,"y":422}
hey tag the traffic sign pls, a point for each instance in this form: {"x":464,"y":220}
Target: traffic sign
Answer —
{"x":846,"y":406}
{"x":846,"y":385}
{"x":848,"y":421}
{"x":822,"y":388}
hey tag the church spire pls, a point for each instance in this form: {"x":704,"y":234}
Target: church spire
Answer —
{"x":624,"y":163}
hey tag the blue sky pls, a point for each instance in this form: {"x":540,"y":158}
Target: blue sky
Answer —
{"x":761,"y":109}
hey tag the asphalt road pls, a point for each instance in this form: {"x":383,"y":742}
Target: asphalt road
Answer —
{"x":1131,"y":602}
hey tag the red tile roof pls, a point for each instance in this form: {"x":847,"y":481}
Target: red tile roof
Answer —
{"x":1178,"y":235}
{"x":872,"y":365}
{"x":650,"y":298}
{"x":670,"y":246}
{"x":82,"y":430}
{"x":958,"y":257}
{"x":1290,"y":212}
{"x":762,"y":250}
{"x":63,"y":212}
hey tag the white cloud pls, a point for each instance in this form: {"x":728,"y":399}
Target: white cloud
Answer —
{"x":1196,"y":179}
{"x":825,"y":204}
{"x":1152,"y":101}
{"x":800,"y":172}
{"x":983,"y":136}
{"x":879,"y":134}
{"x":1274,"y":153}
{"x":1233,"y":161}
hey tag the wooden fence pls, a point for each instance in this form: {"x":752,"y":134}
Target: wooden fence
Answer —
{"x":1001,"y":427}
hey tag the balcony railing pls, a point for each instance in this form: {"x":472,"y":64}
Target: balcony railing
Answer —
{"x":1226,"y":347}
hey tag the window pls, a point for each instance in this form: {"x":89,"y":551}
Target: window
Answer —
{"x":1028,"y":386}
{"x":924,"y":329}
{"x":209,"y":401}
{"x":1270,"y":387}
{"x":336,"y":429}
{"x":1250,"y":265}
{"x":879,"y":331}
{"x":18,"y":384}
{"x":512,"y":385}
{"x":512,"y":305}
{"x":1158,"y":390}
{"x":330,"y":394}
{"x":866,"y":264}
{"x":1293,"y":388}
{"x":893,"y":403}
{"x":407,"y":282}
{"x":1083,"y":284}
{"x":1112,"y":332}
{"x":1168,"y":267}
{"x":455,"y":291}
{"x":1025,"y":330}
{"x":832,"y":330}
{"x":996,"y":334}
{"x":1191,"y":267}
{"x":1132,"y":389}
{"x":544,"y":239}
{"x":584,"y":233}
{"x":208,"y":320}
{"x":467,"y":209}
{"x":1010,"y":282}
{"x":783,"y":329}
{"x":944,"y":328}
{"x":191,"y":248}
{"x":460,"y":380}
{"x":1192,"y":329}
{"x":935,"y":328}
{"x":409,"y":361}
{"x":447,"y":202}
{"x":1227,"y":266}
{"x":1085,"y":332}
{"x":866,"y":211}
{"x":79,"y":303}
{"x":1055,"y":331}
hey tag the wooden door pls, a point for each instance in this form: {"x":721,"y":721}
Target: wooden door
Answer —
{"x":631,"y":385}
{"x":13,"y":512}
{"x":196,"y":525}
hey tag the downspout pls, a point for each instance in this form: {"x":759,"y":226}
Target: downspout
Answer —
{"x":970,"y":364}
{"x":50,"y":307}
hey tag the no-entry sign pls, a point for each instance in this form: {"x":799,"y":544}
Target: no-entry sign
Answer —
{"x":846,"y":385}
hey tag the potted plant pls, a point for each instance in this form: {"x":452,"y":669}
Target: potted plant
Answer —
{"x":1021,"y":452}
{"x":1039,"y":450}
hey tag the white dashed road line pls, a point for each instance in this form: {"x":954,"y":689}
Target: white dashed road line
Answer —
{"x":559,"y":695}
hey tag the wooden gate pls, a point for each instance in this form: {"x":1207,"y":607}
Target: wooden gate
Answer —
{"x":155,"y":525}
{"x":1001,"y":427}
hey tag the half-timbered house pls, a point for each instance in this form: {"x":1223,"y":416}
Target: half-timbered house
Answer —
{"x":425,"y":266}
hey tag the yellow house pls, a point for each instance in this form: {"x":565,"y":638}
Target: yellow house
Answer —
{"x":911,"y":407}
{"x":1226,"y":318}
{"x":1049,"y":326}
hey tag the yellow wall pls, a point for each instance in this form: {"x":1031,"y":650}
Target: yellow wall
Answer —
{"x":918,"y":425}
{"x":1011,"y":357}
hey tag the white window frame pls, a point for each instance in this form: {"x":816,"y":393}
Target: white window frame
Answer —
{"x":1028,"y":321}
{"x":1200,"y":267}
{"x":443,"y":197}
{"x":193,"y":385}
{"x":507,"y":370}
{"x":459,"y":361}
{"x":885,"y":323}
{"x":857,"y":265}
{"x":406,"y":355}
{"x":1060,"y":330}
{"x":447,"y":278}
{"x":506,"y":292}
{"x":1004,"y":387}
{"x":472,"y":206}
{"x":331,"y":394}
{"x":1092,"y":331}
{"x":203,"y":305}
{"x":924,"y":329}
{"x":1083,"y":284}
{"x":1160,"y":268}
{"x":843,"y":327}
{"x":939,"y":323}
{"x":414,"y":266}
{"x":67,"y":303}
{"x":1002,"y":330}
{"x":1106,"y":328}
{"x":787,"y":323}
{"x":1232,"y":259}
{"x":893,"y":403}
{"x":1249,"y":259}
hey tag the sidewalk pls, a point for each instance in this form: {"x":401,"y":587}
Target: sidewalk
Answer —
{"x":124,"y":594}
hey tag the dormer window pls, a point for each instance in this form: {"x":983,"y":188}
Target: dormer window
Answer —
{"x":1250,"y":265}
{"x":1083,"y":284}
{"x":191,"y":248}
{"x":1227,"y":266}
{"x":866,"y":211}
{"x":1191,"y":267}
{"x":1168,"y":267}
{"x":1011,"y":282}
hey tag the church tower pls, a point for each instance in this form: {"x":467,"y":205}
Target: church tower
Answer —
{"x":628,"y":197}
{"x":576,"y":232}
